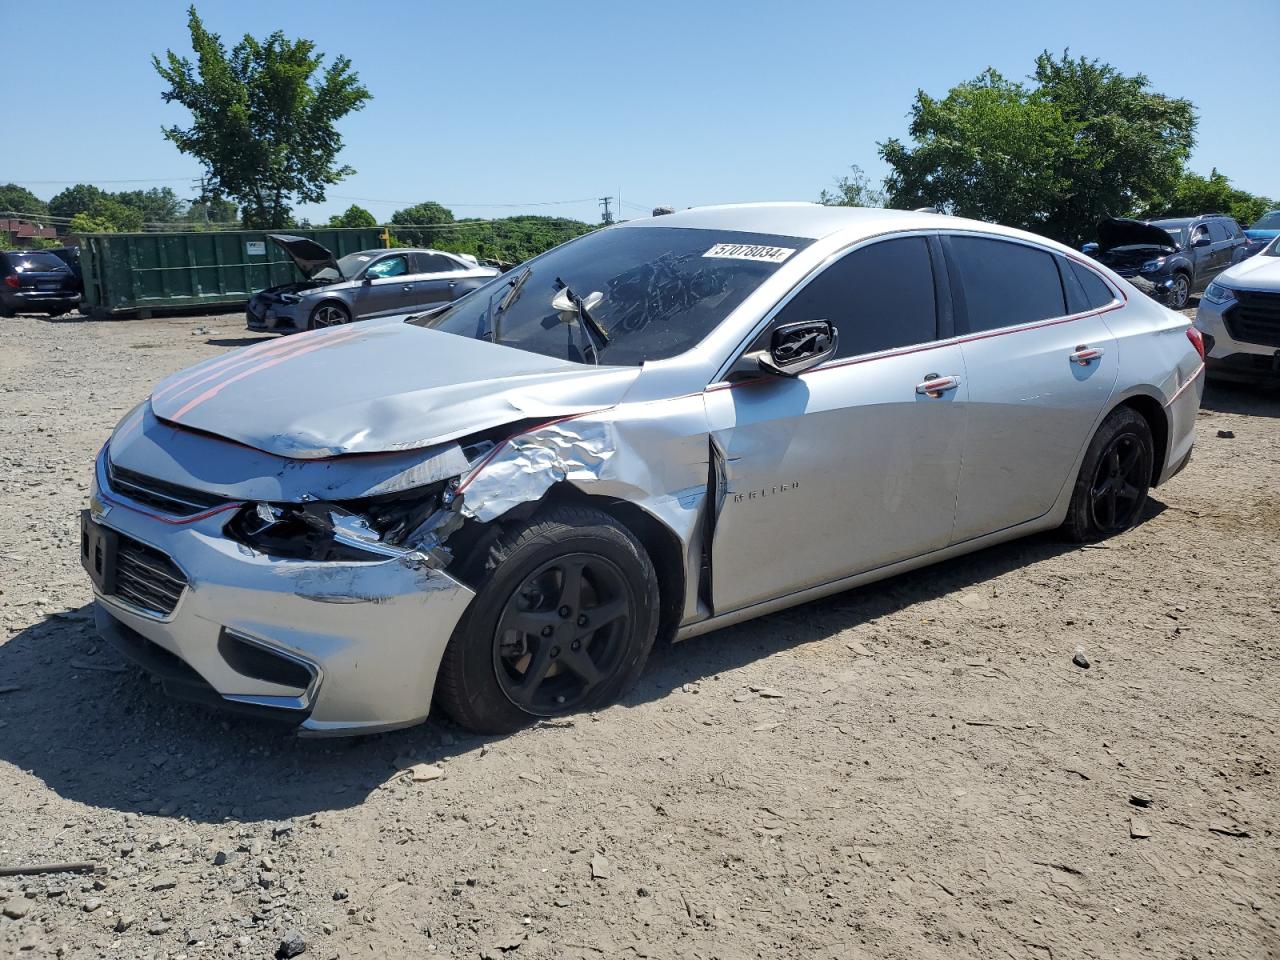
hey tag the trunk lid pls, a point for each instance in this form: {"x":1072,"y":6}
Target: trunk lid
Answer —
{"x":309,"y":256}
{"x":375,"y":387}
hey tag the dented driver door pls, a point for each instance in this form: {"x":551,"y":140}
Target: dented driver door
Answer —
{"x":835,"y":472}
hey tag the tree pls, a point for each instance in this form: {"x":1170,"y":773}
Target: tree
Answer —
{"x":509,"y":239}
{"x":1084,"y":142}
{"x":353,"y":216}
{"x":157,"y":205}
{"x":854,"y":190}
{"x":83,"y":223}
{"x":213,"y":210}
{"x":422,"y":214}
{"x":1194,"y":194}
{"x":263,"y":121}
{"x":20,"y":200}
{"x":103,"y":208}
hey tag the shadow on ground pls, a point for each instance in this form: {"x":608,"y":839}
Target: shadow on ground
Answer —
{"x":1261,"y":399}
{"x":102,"y":733}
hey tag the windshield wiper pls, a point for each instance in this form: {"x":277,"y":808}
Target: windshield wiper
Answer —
{"x":487,"y":328}
{"x":597,"y":336}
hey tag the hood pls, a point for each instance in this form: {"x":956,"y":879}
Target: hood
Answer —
{"x":377,"y":386}
{"x":1120,"y":232}
{"x":1256,"y":273}
{"x":309,"y":256}
{"x":1253,"y":234}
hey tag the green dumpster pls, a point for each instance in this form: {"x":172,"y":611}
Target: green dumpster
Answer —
{"x":145,"y":272}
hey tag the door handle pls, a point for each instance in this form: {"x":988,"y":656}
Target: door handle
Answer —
{"x":453,"y":283}
{"x":935,"y":386}
{"x":407,"y":286}
{"x":1085,"y":355}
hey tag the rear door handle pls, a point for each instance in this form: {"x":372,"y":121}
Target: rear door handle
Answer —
{"x":1085,"y":355}
{"x":935,"y":386}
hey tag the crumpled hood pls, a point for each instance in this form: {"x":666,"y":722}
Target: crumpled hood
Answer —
{"x":374,"y":387}
{"x":309,"y":256}
{"x":1121,"y":232}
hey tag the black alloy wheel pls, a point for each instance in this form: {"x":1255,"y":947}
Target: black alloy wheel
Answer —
{"x":1119,"y":486}
{"x":562,"y":633}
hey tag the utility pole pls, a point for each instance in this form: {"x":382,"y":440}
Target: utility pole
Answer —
{"x":607,"y":217}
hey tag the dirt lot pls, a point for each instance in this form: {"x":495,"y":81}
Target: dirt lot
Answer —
{"x":914,"y":769}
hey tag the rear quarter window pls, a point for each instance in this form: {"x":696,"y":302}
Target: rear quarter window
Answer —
{"x":1096,"y":291}
{"x":1005,"y":284}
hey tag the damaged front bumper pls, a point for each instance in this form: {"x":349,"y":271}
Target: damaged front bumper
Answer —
{"x":331,"y":646}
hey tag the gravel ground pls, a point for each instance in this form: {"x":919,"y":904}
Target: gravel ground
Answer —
{"x":913,"y":769}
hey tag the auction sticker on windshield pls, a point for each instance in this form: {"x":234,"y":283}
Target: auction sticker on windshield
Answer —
{"x":749,"y":251}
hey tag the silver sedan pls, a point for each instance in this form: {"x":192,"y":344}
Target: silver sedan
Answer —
{"x":655,"y":430}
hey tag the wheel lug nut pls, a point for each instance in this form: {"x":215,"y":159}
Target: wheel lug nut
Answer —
{"x":576,"y":644}
{"x":547,"y":631}
{"x":564,"y":612}
{"x":582,"y":620}
{"x":555,"y":651}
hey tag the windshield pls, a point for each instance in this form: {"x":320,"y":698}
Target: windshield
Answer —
{"x":1272,"y":249}
{"x":1269,"y":221}
{"x":661,"y":290}
{"x":1176,"y":230}
{"x":350,"y":265}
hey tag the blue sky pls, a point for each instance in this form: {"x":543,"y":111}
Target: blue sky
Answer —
{"x":661,"y":102}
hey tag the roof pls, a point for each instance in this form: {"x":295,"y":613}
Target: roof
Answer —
{"x":809,"y":220}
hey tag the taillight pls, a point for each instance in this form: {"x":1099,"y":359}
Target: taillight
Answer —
{"x":11,"y":281}
{"x":1197,"y":340}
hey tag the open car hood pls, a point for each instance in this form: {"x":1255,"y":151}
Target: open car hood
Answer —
{"x":375,"y":387}
{"x":1121,"y":232}
{"x":310,"y":257}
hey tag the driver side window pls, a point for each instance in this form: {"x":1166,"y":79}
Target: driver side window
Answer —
{"x":879,"y":297}
{"x":389,"y":267}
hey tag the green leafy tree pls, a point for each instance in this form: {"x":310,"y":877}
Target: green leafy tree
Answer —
{"x":157,"y":205}
{"x":83,"y":223}
{"x":428,"y":213}
{"x":103,"y":208}
{"x":353,"y":216}
{"x":509,"y":239}
{"x":853,"y":190}
{"x":20,"y":200}
{"x":1081,"y":143}
{"x":1194,"y":194}
{"x":213,"y":210}
{"x":264,"y":118}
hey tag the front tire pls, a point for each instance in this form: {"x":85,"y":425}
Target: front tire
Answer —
{"x":1114,"y":479}
{"x":330,"y":313}
{"x":1180,"y":292}
{"x":563,"y":621}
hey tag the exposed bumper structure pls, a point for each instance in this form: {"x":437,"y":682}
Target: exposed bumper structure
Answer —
{"x":268,"y":314}
{"x":334,"y":647}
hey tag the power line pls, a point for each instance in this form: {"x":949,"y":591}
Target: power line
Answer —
{"x":90,"y":181}
{"x":459,"y":203}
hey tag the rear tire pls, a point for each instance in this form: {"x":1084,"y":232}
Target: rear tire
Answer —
{"x":1114,"y":479}
{"x":328,"y":314}
{"x":563,"y":620}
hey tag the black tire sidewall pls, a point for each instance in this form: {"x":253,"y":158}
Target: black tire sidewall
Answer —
{"x":1080,"y":525}
{"x":477,"y":699}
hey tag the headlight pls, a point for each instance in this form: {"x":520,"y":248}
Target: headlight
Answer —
{"x":1151,"y":266}
{"x":371,"y":529}
{"x":290,"y":298}
{"x":1217,"y":293}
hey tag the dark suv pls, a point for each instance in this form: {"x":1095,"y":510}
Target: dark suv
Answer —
{"x":36,"y":281}
{"x":1180,"y":256}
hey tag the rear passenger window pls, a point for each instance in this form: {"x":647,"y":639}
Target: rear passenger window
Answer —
{"x":435,"y":263}
{"x":1096,"y":290}
{"x":879,"y":297}
{"x":1006,"y":284}
{"x":1218,"y":231}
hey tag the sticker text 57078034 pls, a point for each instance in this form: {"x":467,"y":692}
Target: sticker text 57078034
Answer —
{"x":749,"y":251}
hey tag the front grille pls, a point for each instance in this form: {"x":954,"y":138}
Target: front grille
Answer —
{"x":160,"y":494}
{"x":1255,"y":318}
{"x":147,"y":578}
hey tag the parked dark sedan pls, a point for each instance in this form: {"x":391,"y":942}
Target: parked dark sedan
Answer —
{"x":35,"y":281}
{"x":1179,"y":256}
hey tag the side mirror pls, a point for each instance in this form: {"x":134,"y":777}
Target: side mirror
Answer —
{"x":793,"y":349}
{"x":1201,"y":241}
{"x":1089,"y":248}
